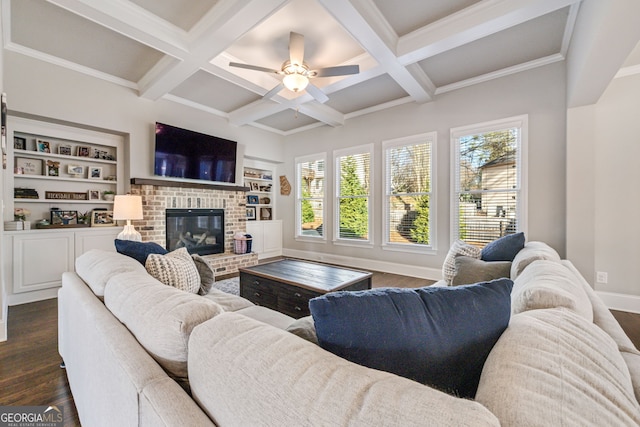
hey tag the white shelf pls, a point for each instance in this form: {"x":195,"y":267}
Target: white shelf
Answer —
{"x":63,"y":178}
{"x":59,"y":201}
{"x":38,"y":154}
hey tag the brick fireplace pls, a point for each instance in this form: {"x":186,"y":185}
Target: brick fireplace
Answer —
{"x":157,"y":196}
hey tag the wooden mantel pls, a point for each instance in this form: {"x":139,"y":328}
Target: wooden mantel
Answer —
{"x":186,"y":184}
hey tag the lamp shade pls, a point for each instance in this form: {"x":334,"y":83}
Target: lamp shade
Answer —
{"x":127,"y":207}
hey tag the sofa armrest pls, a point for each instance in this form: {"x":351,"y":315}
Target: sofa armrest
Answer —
{"x":244,"y":372}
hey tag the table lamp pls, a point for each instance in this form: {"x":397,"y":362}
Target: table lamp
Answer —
{"x":128,"y":207}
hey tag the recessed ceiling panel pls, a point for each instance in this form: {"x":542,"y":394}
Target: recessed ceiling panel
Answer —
{"x":326,"y":42}
{"x":287,"y":120}
{"x":522,"y":43}
{"x":366,"y":94}
{"x":408,"y":15}
{"x":44,"y":27}
{"x":633,"y":58}
{"x":177,"y":12}
{"x":206,"y":89}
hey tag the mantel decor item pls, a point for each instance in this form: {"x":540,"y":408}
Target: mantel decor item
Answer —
{"x":128,"y":207}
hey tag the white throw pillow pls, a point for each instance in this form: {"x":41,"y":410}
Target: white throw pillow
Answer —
{"x":458,"y":247}
{"x":175,"y":269}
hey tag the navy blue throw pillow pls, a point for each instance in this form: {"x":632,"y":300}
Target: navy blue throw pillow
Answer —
{"x":438,"y":336}
{"x":139,"y":250}
{"x":503,"y":249}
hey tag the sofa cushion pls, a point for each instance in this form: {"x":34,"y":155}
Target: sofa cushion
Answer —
{"x":457,"y":248}
{"x":206,"y":273}
{"x":264,"y":376}
{"x":532,"y":251}
{"x":96,"y":266}
{"x":227,"y":301}
{"x":436,"y":336}
{"x":175,"y":269}
{"x":503,"y":249}
{"x":548,"y":284}
{"x":160,"y":317}
{"x":471,"y":270}
{"x":304,"y":328}
{"x":138,"y":250}
{"x":553,"y":368}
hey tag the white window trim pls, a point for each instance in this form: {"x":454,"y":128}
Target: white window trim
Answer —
{"x":522,"y":161}
{"x":432,"y":138}
{"x":365,"y":148}
{"x":298,"y":214}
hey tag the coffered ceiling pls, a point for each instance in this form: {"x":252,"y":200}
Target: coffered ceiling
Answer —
{"x":408,"y":51}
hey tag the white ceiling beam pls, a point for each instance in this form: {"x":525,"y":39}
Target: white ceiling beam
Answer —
{"x":215,"y":32}
{"x":132,"y":21}
{"x":471,"y":24}
{"x":323,"y":113}
{"x":362,"y":19}
{"x":255,"y":111}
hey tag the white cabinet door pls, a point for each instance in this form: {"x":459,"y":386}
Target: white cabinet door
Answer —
{"x":272,"y":243}
{"x":39,"y":259}
{"x":103,"y":239}
{"x":256,"y":230}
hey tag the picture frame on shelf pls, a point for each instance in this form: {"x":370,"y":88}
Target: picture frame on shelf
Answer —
{"x":93,"y":194}
{"x":265,"y":214}
{"x":75,"y":170}
{"x":252,"y":200}
{"x":265,"y":200}
{"x":251,"y":213}
{"x":29,"y":166}
{"x":53,"y":168}
{"x":19,"y":143}
{"x":102,"y":218}
{"x":83,"y":151}
{"x":94,"y":172}
{"x":64,"y":150}
{"x":43,"y":146}
{"x":59,"y":217}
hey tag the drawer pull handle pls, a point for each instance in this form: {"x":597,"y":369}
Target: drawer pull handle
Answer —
{"x":296,"y":308}
{"x":257,"y":294}
{"x":256,"y":282}
{"x":297,"y":295}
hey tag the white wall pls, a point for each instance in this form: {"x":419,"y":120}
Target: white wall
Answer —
{"x":604,"y":148}
{"x":539,"y":93}
{"x":3,"y":298}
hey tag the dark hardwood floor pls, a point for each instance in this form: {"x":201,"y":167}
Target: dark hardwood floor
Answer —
{"x":29,"y":359}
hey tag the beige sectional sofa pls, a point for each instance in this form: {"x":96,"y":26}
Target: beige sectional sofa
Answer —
{"x":138,"y":352}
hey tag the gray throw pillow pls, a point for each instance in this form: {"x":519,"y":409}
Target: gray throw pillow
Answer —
{"x":471,"y":270}
{"x":207,"y":275}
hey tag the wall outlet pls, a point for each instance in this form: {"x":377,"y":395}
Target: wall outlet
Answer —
{"x":602,"y":277}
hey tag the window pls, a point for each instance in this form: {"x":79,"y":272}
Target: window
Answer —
{"x":353,"y":194}
{"x":489,"y":194}
{"x":310,"y":196}
{"x":408,"y":204}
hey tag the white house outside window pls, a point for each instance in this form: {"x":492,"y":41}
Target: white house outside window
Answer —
{"x":353,"y":194}
{"x":310,"y":196}
{"x":409,"y":203}
{"x":489,"y":190}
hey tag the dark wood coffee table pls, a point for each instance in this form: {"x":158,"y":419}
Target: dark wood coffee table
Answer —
{"x":287,"y":285}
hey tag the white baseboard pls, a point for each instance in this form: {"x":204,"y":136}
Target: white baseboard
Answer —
{"x":622,"y":302}
{"x":27,"y":297}
{"x":3,"y":330}
{"x":367,"y":264}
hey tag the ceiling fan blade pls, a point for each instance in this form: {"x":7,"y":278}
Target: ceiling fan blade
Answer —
{"x":273,"y":92}
{"x":296,"y":48}
{"x":341,"y":70}
{"x":317,"y":93}
{"x":253,"y":67}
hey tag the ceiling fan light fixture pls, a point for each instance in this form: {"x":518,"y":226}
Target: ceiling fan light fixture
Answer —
{"x":295,"y":82}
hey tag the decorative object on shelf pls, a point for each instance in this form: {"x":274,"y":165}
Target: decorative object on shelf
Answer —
{"x":43,"y":146}
{"x":19,"y":143}
{"x":29,"y":166}
{"x":285,"y":187}
{"x":53,"y":168}
{"x":94,"y":194}
{"x":64,"y":195}
{"x":265,"y":200}
{"x":95,"y":172}
{"x":102,"y":154}
{"x":108,"y":195}
{"x":265,"y":214}
{"x":250,"y":173}
{"x":254,"y":186}
{"x":59,"y":217}
{"x":83,"y":151}
{"x":84,"y":217}
{"x":75,"y":170}
{"x":14,"y":225}
{"x":128,"y":207}
{"x":64,"y":150}
{"x":102,"y":218}
{"x":265,"y":188}
{"x":110,"y":178}
{"x":252,"y":200}
{"x":20,"y":214}
{"x":251,"y":213}
{"x":25,"y":193}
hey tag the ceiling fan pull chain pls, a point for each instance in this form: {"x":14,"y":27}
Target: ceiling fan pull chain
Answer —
{"x":295,"y":116}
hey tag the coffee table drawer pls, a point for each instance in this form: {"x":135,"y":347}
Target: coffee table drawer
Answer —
{"x":259,"y":291}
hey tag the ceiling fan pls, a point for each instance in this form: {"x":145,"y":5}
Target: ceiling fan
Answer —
{"x":296,"y":72}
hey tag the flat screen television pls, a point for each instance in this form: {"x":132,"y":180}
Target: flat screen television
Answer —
{"x":181,"y":153}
